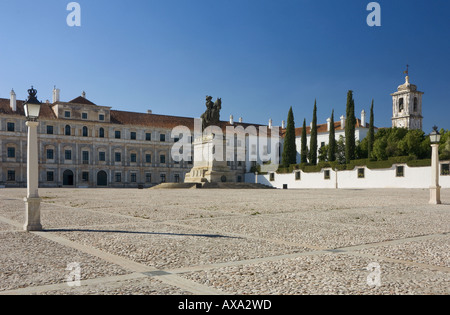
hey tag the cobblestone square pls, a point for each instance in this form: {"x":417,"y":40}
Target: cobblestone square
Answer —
{"x":227,"y":242}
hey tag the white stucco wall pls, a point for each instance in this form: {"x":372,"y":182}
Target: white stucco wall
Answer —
{"x":414,"y":177}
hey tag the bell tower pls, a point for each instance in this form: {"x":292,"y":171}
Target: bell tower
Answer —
{"x":407,"y":106}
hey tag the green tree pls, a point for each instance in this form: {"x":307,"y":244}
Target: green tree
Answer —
{"x":411,"y":144}
{"x":444,"y":146}
{"x":304,"y":145}
{"x":371,"y":134}
{"x":323,"y":153}
{"x":313,"y":139}
{"x":332,"y":141}
{"x":350,"y":124}
{"x":340,"y":150}
{"x":289,"y":155}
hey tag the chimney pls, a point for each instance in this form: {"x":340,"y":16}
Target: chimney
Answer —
{"x":283,"y":125}
{"x":240,"y":119}
{"x":56,"y":93}
{"x":149,"y":111}
{"x":328,"y":124}
{"x":231,"y":120}
{"x":363,"y":118}
{"x":270,"y":123}
{"x":83,"y":94}
{"x":342,"y":122}
{"x":13,"y":101}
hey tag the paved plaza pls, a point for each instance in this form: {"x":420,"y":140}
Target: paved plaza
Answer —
{"x":209,"y":242}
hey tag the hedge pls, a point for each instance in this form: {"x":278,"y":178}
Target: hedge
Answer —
{"x":370,"y":164}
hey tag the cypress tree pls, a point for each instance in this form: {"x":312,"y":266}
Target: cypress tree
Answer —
{"x":371,"y":134}
{"x":304,"y":148}
{"x":289,"y":149}
{"x":313,"y":139}
{"x":332,"y":141}
{"x":350,"y":142}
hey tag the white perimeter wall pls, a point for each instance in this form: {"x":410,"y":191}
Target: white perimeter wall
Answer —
{"x":414,"y":177}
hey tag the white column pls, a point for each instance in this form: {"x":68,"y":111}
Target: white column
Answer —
{"x":435,"y":189}
{"x":32,"y":201}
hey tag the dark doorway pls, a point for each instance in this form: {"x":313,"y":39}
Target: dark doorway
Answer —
{"x":102,"y":178}
{"x":68,"y":178}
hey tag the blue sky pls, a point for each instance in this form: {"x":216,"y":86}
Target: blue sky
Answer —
{"x":259,"y":56}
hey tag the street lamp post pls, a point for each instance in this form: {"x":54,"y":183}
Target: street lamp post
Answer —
{"x":435,"y":189}
{"x":32,"y":202}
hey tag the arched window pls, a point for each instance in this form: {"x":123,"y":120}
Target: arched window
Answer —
{"x":67,"y":130}
{"x":85,"y":131}
{"x":416,"y":104}
{"x":400,"y":105}
{"x":101,"y":133}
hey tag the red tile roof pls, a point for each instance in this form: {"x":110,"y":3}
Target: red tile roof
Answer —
{"x":46,"y":109}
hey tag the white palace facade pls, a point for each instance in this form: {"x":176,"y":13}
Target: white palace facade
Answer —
{"x":82,"y":144}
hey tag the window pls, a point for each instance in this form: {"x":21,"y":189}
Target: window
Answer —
{"x":11,"y":152}
{"x":162,"y":159}
{"x":117,"y":157}
{"x":10,"y":126}
{"x":85,"y":157}
{"x":50,"y":176}
{"x":177,"y":178}
{"x":117,"y":134}
{"x":85,"y":176}
{"x":326,"y":174}
{"x":163,"y":178}
{"x":400,"y":105}
{"x":445,"y":169}
{"x":148,"y":177}
{"x":50,"y":154}
{"x":101,"y":117}
{"x":11,"y":176}
{"x":49,"y":130}
{"x":84,"y":116}
{"x":68,"y":155}
{"x":67,"y":114}
{"x":162,"y":137}
{"x":102,"y":156}
{"x":400,"y":171}
{"x":133,"y":135}
{"x":67,"y":130}
{"x":322,"y":144}
{"x":298,"y":176}
{"x":133,"y":158}
{"x":85,"y":131}
{"x":416,"y":103}
{"x":272,"y":177}
{"x":118,"y":177}
{"x":361,"y":172}
{"x":101,"y":133}
{"x":133,"y":178}
{"x":148,"y":137}
{"x":148,"y":158}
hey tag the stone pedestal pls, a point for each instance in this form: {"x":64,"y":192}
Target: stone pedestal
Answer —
{"x":210,"y":165}
{"x":32,"y":214}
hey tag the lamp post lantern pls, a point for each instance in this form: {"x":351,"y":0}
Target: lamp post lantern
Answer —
{"x":435,"y":189}
{"x":32,"y":202}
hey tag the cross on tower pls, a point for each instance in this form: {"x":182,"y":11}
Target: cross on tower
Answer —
{"x":407,"y":70}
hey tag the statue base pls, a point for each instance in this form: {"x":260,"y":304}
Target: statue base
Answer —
{"x":206,"y":168}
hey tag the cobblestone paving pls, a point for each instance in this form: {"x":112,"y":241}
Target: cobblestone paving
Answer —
{"x":191,"y":242}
